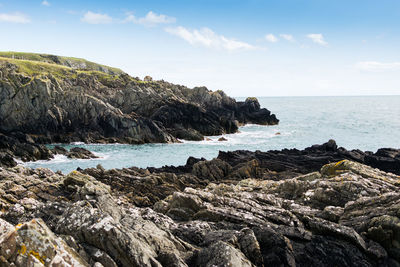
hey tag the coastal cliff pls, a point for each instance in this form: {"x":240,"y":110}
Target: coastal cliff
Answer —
{"x":48,"y":99}
{"x":52,"y":99}
{"x":275,"y":208}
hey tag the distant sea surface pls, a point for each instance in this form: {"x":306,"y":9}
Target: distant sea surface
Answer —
{"x":355,"y":122}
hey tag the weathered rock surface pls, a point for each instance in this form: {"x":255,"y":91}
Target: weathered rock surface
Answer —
{"x":80,"y":153}
{"x":286,"y":163}
{"x":292,"y":162}
{"x":345,"y":213}
{"x":50,"y":99}
{"x":33,"y":244}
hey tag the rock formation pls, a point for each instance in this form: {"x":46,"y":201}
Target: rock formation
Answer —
{"x":321,"y":206}
{"x":51,"y":99}
{"x":249,"y":209}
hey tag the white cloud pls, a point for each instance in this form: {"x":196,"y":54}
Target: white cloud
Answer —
{"x":14,"y":18}
{"x":374,"y":66}
{"x":208,"y":38}
{"x":45,"y":3}
{"x":151,"y":19}
{"x":271,"y":38}
{"x":96,"y":18}
{"x":317,"y":38}
{"x":287,"y":37}
{"x":130,"y":18}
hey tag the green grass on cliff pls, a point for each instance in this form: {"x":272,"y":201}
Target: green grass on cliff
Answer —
{"x":67,"y":68}
{"x":37,"y":68}
{"x":38,"y":65}
{"x":71,"y":62}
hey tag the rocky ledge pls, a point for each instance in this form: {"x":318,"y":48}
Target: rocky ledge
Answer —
{"x":51,"y":99}
{"x":248,"y":209}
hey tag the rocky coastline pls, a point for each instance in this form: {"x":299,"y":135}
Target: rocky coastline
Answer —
{"x":50,"y":99}
{"x":321,"y":206}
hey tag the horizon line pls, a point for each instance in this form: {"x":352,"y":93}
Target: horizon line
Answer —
{"x":317,"y":95}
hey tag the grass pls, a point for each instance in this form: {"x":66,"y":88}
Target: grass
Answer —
{"x":37,"y":68}
{"x":33,"y":65}
{"x":74,"y":63}
{"x":67,"y":68}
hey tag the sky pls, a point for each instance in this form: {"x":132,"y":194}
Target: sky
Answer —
{"x":244,"y":47}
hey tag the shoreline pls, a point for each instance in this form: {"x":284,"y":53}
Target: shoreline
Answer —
{"x":336,"y":154}
{"x":289,"y":207}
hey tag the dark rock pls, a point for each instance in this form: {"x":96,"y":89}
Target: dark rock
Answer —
{"x":113,"y":107}
{"x":222,"y":139}
{"x":222,"y":254}
{"x":294,"y":162}
{"x":80,"y":153}
{"x":212,"y":170}
{"x":249,"y":111}
{"x":23,"y":148}
{"x":346,"y":212}
{"x":60,"y":150}
{"x":7,"y":160}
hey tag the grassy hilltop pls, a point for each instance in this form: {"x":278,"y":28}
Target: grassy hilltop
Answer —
{"x":36,"y":65}
{"x":70,"y":62}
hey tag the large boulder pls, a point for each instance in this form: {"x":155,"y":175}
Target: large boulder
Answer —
{"x":34,"y":244}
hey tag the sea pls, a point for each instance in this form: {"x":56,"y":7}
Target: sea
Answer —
{"x":355,"y":122}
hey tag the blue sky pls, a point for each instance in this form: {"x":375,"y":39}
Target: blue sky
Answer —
{"x":257,"y":48}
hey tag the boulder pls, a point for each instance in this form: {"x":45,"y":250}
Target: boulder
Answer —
{"x":33,"y":244}
{"x":80,"y":153}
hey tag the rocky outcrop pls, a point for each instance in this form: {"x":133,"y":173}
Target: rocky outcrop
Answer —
{"x":80,"y":153}
{"x":21,"y":146}
{"x":51,"y":99}
{"x":345,"y":213}
{"x":33,"y":244}
{"x":291,"y":162}
{"x":285,"y":163}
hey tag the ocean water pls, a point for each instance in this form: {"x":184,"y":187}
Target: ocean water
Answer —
{"x":363,"y":122}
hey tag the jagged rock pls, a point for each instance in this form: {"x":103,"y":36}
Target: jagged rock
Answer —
{"x":222,"y":139}
{"x":246,"y":170}
{"x":21,"y":146}
{"x":60,"y":150}
{"x":7,"y":160}
{"x":108,"y":106}
{"x":212,"y":170}
{"x":141,"y":187}
{"x":5,"y":227}
{"x":213,"y":213}
{"x":33,"y":244}
{"x":221,"y":254}
{"x":293,"y":162}
{"x":250,"y":247}
{"x":249,"y":112}
{"x":80,"y":153}
{"x":387,"y":159}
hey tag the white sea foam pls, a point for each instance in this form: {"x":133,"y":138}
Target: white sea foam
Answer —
{"x":77,"y":143}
